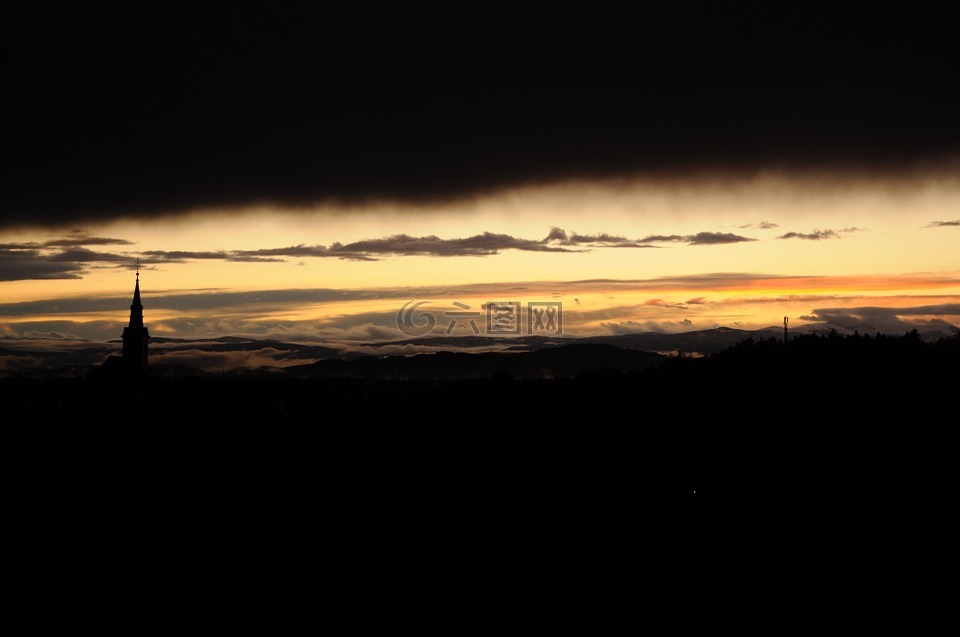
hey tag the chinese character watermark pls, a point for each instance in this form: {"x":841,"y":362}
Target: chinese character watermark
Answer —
{"x":546,"y":316}
{"x":503,"y":318}
{"x":455,"y":313}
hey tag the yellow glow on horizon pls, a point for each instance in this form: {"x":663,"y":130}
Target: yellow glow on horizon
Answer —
{"x":810,"y":241}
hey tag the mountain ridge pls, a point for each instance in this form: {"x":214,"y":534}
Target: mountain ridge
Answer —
{"x":242,"y":355}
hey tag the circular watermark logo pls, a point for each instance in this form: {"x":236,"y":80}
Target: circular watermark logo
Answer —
{"x":415,"y":323}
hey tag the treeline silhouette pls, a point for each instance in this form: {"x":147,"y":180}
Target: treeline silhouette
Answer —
{"x":769,"y":485}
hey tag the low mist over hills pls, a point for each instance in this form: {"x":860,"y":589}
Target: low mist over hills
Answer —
{"x":236,"y":355}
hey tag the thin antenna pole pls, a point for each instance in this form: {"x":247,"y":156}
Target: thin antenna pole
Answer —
{"x":785,"y":319}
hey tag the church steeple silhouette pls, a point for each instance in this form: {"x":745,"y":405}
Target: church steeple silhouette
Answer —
{"x":135,"y":335}
{"x":132,"y":365}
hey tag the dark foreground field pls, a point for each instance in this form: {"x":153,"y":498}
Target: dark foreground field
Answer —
{"x":765,"y":489}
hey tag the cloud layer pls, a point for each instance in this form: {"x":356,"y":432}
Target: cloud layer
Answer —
{"x":69,"y":257}
{"x":666,"y":304}
{"x":140,"y":112}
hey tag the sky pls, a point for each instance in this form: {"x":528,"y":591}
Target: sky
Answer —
{"x":362,"y":173}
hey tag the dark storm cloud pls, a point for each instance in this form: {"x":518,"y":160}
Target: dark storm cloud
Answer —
{"x":942,"y":224}
{"x":130,"y":113}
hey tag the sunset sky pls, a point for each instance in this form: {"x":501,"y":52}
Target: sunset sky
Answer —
{"x":302,"y":177}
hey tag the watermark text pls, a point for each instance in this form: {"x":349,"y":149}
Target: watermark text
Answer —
{"x":502,"y":318}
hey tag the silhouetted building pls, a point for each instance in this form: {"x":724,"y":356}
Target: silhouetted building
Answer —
{"x":133,"y":362}
{"x":135,"y":335}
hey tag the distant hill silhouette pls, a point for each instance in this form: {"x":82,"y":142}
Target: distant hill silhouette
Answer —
{"x":691,"y":342}
{"x":52,"y":359}
{"x":561,"y":361}
{"x":814,"y":483}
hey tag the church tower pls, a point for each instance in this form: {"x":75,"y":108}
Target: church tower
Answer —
{"x":135,"y":335}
